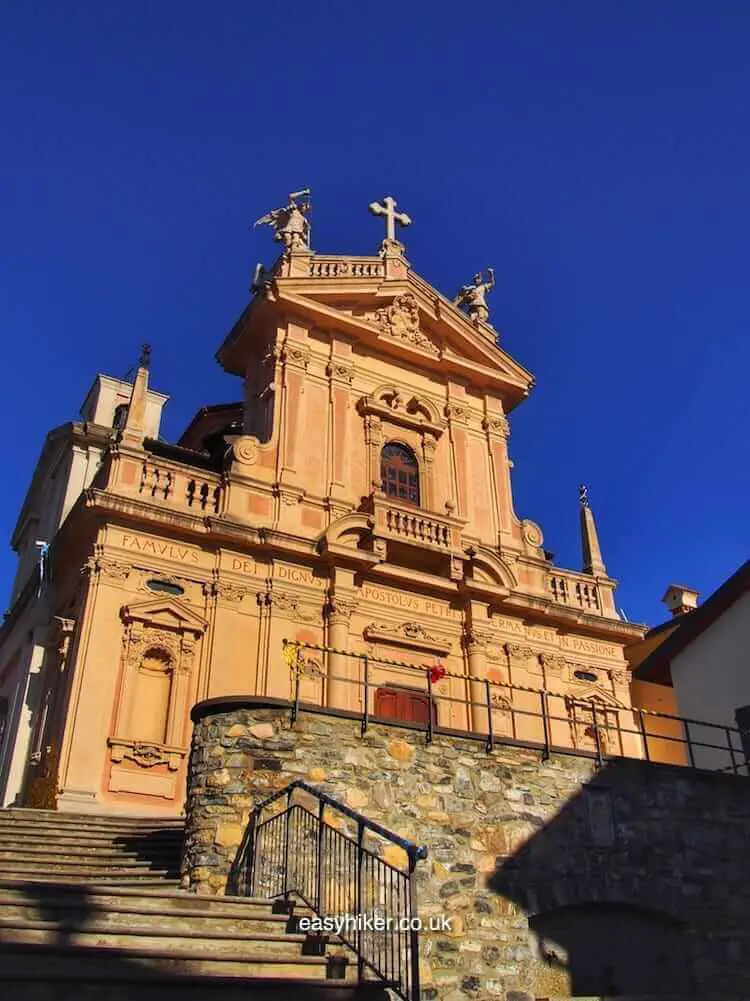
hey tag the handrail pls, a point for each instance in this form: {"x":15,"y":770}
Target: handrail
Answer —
{"x":413,"y":850}
{"x":606,"y":720}
{"x":296,"y":856}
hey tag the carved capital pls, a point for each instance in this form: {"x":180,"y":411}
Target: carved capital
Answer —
{"x":340,"y":369}
{"x":291,"y":605}
{"x":620,"y":675}
{"x":496,"y":426}
{"x":106,"y":567}
{"x":296,"y":355}
{"x":517,"y":651}
{"x":555,"y":662}
{"x":339,"y":608}
{"x":457,"y":413}
{"x":477,"y":639}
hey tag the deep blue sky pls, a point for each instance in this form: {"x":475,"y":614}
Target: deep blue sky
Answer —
{"x":595,"y":152}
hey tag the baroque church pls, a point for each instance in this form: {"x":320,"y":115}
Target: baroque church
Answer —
{"x":344,"y":536}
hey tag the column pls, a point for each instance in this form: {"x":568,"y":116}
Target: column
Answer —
{"x":341,"y":691}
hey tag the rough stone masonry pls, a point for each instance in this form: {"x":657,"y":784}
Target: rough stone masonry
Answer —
{"x":555,"y":875}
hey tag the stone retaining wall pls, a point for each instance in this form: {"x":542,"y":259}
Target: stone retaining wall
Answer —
{"x":633,"y":868}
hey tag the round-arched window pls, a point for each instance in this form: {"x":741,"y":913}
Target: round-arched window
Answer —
{"x":399,"y":473}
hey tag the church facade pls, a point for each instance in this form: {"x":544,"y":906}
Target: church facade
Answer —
{"x":357,"y":502}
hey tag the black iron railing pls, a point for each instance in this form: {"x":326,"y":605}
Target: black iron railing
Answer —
{"x":503,"y":713}
{"x":302,"y":845}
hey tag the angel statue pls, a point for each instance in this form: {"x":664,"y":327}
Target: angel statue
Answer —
{"x":474,"y":297}
{"x":290,"y":222}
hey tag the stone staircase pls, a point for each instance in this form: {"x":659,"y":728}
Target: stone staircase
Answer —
{"x":90,"y":910}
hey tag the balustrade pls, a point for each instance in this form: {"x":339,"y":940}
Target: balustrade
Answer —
{"x":574,"y":590}
{"x":178,"y":487}
{"x":346,"y":267}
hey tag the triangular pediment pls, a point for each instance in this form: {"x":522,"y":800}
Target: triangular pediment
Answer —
{"x":406,"y":317}
{"x":167,"y":612}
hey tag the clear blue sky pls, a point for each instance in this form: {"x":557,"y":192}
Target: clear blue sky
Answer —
{"x":594,"y":152}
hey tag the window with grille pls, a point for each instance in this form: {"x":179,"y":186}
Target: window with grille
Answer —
{"x":400,"y":473}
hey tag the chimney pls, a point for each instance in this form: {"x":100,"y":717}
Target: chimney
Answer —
{"x":680,"y":599}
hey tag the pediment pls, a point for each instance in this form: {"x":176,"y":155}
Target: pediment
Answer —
{"x":407,"y":317}
{"x":167,"y":612}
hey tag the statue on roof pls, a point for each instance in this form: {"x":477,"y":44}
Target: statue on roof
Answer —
{"x":290,"y":222}
{"x":473,"y":298}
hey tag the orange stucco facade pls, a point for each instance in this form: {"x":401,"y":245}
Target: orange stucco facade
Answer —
{"x":176,"y":578}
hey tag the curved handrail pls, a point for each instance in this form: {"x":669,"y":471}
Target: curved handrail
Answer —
{"x":415,"y":852}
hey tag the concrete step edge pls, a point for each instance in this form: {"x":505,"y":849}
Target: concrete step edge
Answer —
{"x":144,"y":931}
{"x":71,"y":949}
{"x":57,"y":904}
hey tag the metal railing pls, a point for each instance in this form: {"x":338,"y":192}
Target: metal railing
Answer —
{"x":291,"y":852}
{"x":504,"y":713}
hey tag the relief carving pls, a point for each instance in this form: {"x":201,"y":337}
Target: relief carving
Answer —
{"x":107,"y":567}
{"x":497,"y":425}
{"x":456,"y":412}
{"x":340,"y":368}
{"x":401,"y":321}
{"x":517,"y":651}
{"x":145,"y":755}
{"x":297,"y":355}
{"x":340,"y":608}
{"x":230,"y":592}
{"x":407,"y":634}
{"x":291,"y":605}
{"x":245,"y":450}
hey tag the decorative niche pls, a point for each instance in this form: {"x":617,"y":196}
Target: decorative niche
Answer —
{"x":160,"y":647}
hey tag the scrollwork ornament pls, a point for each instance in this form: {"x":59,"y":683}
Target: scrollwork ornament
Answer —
{"x":340,"y":608}
{"x":245,"y":450}
{"x":227,"y":591}
{"x":456,"y":412}
{"x":497,"y":425}
{"x":340,"y":369}
{"x":519,"y":652}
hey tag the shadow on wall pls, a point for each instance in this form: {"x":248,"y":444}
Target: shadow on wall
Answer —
{"x":637,"y":886}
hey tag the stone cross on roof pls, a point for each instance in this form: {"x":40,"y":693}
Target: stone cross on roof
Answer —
{"x":388,"y":209}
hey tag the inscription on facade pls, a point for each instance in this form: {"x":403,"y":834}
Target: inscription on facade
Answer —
{"x":409,"y":602}
{"x":578,"y":644}
{"x":297,"y":575}
{"x":155,"y":547}
{"x":242,"y":565}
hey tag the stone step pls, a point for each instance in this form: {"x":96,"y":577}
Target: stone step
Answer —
{"x":83,"y":867}
{"x":164,"y":900}
{"x":101,"y":853}
{"x":85,"y":882}
{"x":129,"y":937}
{"x":82,"y":915}
{"x":90,"y":831}
{"x":82,"y":819}
{"x":155,"y":987}
{"x":22,"y":959}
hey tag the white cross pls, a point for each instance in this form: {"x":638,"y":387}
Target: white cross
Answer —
{"x":388,"y":209}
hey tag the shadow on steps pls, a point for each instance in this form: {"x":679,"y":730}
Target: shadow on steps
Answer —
{"x":61,"y":970}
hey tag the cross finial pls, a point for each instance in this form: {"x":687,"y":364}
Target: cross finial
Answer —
{"x":583,"y":495}
{"x":388,"y":209}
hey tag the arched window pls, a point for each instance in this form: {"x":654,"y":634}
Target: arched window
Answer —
{"x":120,"y":416}
{"x":400,"y":473}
